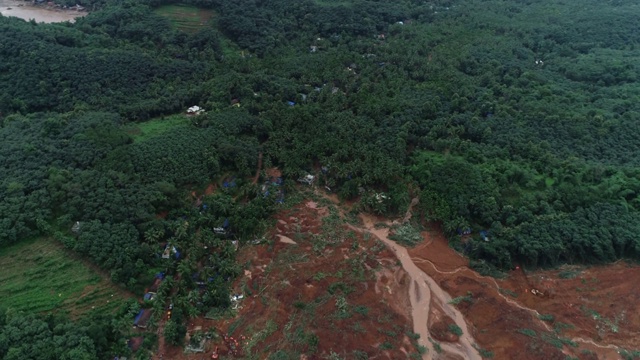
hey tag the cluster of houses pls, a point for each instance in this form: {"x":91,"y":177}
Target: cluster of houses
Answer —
{"x":142,"y":318}
{"x":484,"y":234}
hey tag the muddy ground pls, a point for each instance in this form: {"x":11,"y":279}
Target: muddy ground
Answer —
{"x":313,"y":289}
{"x":323,"y":283}
{"x":585,"y":313}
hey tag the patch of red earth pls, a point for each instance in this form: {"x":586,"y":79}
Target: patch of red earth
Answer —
{"x":135,"y":342}
{"x":598,"y":304}
{"x":440,"y":324}
{"x":299,"y":291}
{"x":492,"y":319}
{"x":167,"y":351}
{"x":211,"y":188}
{"x":284,"y":283}
{"x":273,"y":172}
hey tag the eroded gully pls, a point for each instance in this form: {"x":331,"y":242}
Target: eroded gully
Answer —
{"x":423,"y":289}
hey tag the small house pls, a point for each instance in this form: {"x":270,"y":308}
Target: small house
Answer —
{"x":380,"y":197}
{"x":229,"y":183}
{"x":170,"y":250}
{"x":76,"y":227}
{"x":307,"y":179}
{"x":155,"y":286}
{"x":222,"y":230}
{"x":142,"y":319}
{"x":235,"y":301}
{"x":195,"y":110}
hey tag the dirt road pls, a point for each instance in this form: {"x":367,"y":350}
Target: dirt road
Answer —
{"x":255,"y":178}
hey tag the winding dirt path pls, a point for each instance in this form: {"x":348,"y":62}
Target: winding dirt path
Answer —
{"x":492,"y":281}
{"x":255,"y":178}
{"x":534,"y":313}
{"x":161,"y":343}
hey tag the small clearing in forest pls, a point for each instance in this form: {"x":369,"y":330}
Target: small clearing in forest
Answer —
{"x":186,"y":18}
{"x":145,"y":130}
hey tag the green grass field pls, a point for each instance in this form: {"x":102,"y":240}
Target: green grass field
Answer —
{"x":154,"y":127}
{"x":186,"y":18}
{"x":40,"y":276}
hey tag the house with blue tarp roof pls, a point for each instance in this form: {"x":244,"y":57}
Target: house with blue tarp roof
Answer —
{"x":170,"y":250}
{"x":222,"y":230}
{"x":274,"y":184}
{"x":141,"y":320}
{"x":229,"y":183}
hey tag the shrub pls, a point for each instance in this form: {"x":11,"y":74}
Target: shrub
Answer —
{"x":546,"y":317}
{"x":406,"y":235}
{"x":455,"y":329}
{"x":528,"y":332}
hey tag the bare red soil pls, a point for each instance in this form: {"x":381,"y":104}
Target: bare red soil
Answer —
{"x":344,"y":296}
{"x":317,"y":287}
{"x":583,"y":317}
{"x":211,"y":188}
{"x":311,"y":295}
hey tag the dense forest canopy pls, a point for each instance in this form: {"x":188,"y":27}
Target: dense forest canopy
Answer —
{"x":519,"y":118}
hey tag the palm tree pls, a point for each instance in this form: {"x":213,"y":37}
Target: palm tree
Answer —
{"x":185,"y":269}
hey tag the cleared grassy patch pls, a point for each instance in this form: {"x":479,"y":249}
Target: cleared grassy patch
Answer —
{"x":333,"y":3}
{"x":186,"y":18}
{"x":40,"y":276}
{"x":154,"y":127}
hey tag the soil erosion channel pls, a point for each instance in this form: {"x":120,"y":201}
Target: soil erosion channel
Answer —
{"x":422,"y":289}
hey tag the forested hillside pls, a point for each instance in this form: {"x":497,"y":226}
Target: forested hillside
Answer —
{"x":518,"y":118}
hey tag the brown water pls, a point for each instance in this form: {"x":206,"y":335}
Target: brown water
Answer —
{"x":422,"y":289}
{"x":41,"y":13}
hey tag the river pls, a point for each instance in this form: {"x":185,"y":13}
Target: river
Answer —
{"x":41,"y":13}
